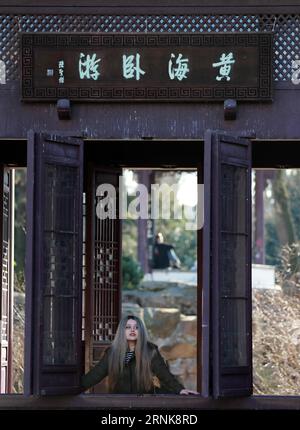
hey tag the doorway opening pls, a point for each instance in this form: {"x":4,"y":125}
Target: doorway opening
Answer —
{"x":276,"y":281}
{"x":159,"y":265}
{"x":12,"y":264}
{"x":19,"y":296}
{"x":123,"y":279}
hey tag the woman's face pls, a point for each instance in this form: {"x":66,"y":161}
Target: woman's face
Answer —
{"x":131,"y":330}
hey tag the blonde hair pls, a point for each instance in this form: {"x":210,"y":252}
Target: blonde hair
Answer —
{"x":143,"y":356}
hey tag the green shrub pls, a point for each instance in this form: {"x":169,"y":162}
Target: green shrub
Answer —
{"x":131,"y":272}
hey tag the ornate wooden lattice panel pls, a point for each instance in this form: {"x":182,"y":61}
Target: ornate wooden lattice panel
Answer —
{"x":106,"y":270}
{"x":285,"y":28}
{"x":5,"y":290}
{"x":233,"y":275}
{"x":60,"y":266}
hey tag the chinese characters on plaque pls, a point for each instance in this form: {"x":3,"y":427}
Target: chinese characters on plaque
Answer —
{"x":178,"y":67}
{"x":146,"y":67}
{"x":88,"y":66}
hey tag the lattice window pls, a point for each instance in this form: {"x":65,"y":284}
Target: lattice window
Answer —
{"x":60,"y":266}
{"x":106,"y":273}
{"x":285,"y":28}
{"x":105,"y":282}
{"x":233,"y":277}
{"x":286,"y":42}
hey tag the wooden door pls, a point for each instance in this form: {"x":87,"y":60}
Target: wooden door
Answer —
{"x":53,"y":342}
{"x":227,"y":254}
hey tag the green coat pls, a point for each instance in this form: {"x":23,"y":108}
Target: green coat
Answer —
{"x":127,"y":382}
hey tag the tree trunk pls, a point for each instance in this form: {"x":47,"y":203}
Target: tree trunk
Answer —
{"x":283,"y":217}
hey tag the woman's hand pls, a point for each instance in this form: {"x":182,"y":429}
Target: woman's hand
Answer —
{"x":186,"y":392}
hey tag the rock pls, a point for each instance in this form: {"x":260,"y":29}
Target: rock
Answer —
{"x":188,"y":325}
{"x":129,"y":308}
{"x":190,"y":382}
{"x":185,"y":369}
{"x":182,"y":296}
{"x":183,"y":341}
{"x":161,"y":322}
{"x":163,"y":285}
{"x":172,"y":351}
{"x":191,"y":364}
{"x":182,"y":366}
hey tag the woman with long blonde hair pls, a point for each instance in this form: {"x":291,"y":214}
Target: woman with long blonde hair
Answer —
{"x":133,"y":364}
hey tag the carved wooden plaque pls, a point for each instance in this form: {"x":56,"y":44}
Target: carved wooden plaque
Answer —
{"x":146,"y":67}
